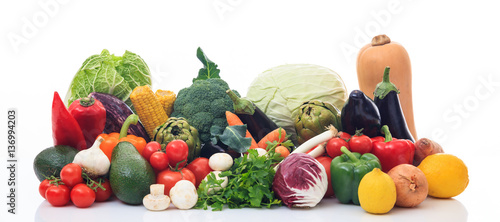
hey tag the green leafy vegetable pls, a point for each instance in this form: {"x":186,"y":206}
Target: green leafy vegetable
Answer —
{"x":249,"y":184}
{"x":209,"y":69}
{"x":232,"y":136}
{"x":106,"y":73}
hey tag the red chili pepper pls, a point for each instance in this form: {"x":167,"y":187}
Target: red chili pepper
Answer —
{"x":91,"y":117}
{"x":393,"y":152}
{"x":65,"y":129}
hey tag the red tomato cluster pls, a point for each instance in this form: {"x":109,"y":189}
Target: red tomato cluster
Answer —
{"x":71,"y":185}
{"x":357,"y":143}
{"x":171,"y":165}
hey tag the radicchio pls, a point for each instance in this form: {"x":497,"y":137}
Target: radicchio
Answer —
{"x":300,"y":181}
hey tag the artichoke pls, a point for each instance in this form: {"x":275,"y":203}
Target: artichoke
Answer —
{"x":314,"y":117}
{"x":179,"y":128}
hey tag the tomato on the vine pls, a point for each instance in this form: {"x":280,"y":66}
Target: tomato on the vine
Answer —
{"x":377,"y":138}
{"x":344,"y":135}
{"x":57,"y":195}
{"x":169,"y":177}
{"x":71,"y":174}
{"x":100,"y":194}
{"x":177,"y":151}
{"x":82,"y":196}
{"x":150,"y":148}
{"x":333,"y":146}
{"x":360,"y":144}
{"x":200,"y":169}
{"x":159,"y":160}
{"x":43,"y":187}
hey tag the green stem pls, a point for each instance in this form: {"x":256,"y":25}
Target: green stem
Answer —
{"x":132,"y":119}
{"x":387,"y":133}
{"x":87,"y":101}
{"x":241,"y":106}
{"x":386,"y":86}
{"x":359,"y":132}
{"x":351,"y":156}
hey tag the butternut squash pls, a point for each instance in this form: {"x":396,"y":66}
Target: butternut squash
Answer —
{"x":371,"y":62}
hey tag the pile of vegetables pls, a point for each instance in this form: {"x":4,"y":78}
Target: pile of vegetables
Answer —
{"x":291,"y":142}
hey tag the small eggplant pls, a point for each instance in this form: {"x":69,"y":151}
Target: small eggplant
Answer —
{"x":116,"y":114}
{"x":387,"y":100}
{"x":258,"y":124}
{"x":360,"y":112}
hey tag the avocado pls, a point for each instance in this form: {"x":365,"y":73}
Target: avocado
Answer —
{"x":51,"y":160}
{"x":130,"y":175}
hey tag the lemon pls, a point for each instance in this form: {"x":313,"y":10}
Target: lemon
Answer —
{"x":446,"y":174}
{"x":377,"y":192}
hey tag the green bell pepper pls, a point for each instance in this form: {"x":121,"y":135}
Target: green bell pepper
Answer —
{"x":347,"y":170}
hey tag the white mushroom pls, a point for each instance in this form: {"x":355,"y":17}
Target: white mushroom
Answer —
{"x":261,"y":151}
{"x":156,"y":200}
{"x":220,"y":161}
{"x":184,"y":195}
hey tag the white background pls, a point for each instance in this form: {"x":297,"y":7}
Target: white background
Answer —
{"x":453,"y":49}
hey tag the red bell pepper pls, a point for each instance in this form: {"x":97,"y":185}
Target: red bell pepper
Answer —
{"x":91,"y":117}
{"x":65,"y":129}
{"x":392,"y":151}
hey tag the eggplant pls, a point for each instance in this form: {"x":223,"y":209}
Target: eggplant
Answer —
{"x":116,"y":113}
{"x":387,"y":101}
{"x":360,"y":112}
{"x":258,"y":123}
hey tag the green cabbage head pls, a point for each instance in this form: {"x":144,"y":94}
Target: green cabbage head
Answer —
{"x":107,"y":73}
{"x":279,"y":91}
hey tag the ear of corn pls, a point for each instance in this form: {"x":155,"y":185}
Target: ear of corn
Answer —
{"x":148,"y":108}
{"x":167,"y":99}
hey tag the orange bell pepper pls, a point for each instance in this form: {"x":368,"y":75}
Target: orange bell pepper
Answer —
{"x":112,"y":139}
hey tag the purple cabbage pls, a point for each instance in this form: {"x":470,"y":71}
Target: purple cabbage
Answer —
{"x":300,"y":181}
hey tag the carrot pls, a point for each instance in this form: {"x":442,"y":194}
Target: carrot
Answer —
{"x":283,"y":151}
{"x":232,"y":120}
{"x":273,"y":136}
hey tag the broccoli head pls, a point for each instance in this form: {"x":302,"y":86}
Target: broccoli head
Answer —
{"x":204,"y":104}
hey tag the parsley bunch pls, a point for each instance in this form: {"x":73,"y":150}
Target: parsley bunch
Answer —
{"x":249,"y":184}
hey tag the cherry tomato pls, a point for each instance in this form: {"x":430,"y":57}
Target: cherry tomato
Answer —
{"x":159,"y":160}
{"x":345,"y":136}
{"x":100,"y":194}
{"x":169,"y":178}
{"x":360,"y":144}
{"x":150,"y":148}
{"x":377,"y":138}
{"x":43,"y":187}
{"x":82,"y":196}
{"x":333,"y":146}
{"x":326,"y":162}
{"x":177,"y":151}
{"x":71,"y":175}
{"x":200,"y":169}
{"x":57,"y":195}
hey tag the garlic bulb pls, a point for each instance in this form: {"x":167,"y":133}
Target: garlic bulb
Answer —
{"x":92,"y":160}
